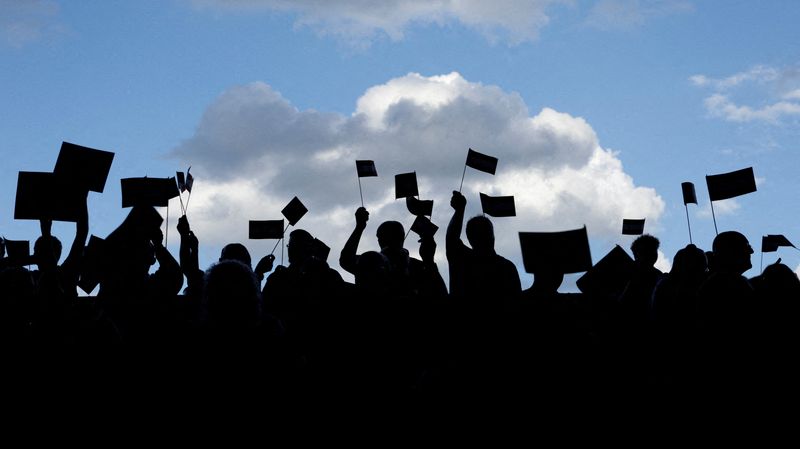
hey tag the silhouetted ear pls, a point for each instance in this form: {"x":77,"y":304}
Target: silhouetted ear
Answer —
{"x":85,"y":168}
{"x":482,"y":162}
{"x":294,"y":211}
{"x":366,"y":169}
{"x":45,"y":196}
{"x":732,"y":184}
{"x":266,"y":229}
{"x":609,"y":275}
{"x":498,"y":206}
{"x":419,"y":207}
{"x":423,"y":227}
{"x":405,"y":185}
{"x":148,"y":191}
{"x":632,"y":226}
{"x":563,"y":252}
{"x":320,"y":250}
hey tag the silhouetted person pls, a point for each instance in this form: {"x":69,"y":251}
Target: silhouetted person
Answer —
{"x":477,"y":272}
{"x":407,"y":276}
{"x":237,"y":251}
{"x":636,"y":299}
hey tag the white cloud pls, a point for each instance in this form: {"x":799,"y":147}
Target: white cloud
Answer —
{"x":778,"y":89}
{"x":253,"y":151}
{"x":513,"y":21}
{"x":26,"y":21}
{"x":663,"y":263}
{"x":721,"y":208}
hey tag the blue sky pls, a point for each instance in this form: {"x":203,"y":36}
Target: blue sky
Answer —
{"x":671,"y":90}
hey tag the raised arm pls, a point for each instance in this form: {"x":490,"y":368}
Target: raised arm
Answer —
{"x":189,"y":257}
{"x":348,"y":257}
{"x":168,"y":276}
{"x":453,"y":243}
{"x":75,"y":255}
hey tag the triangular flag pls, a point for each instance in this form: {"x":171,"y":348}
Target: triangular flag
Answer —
{"x":82,"y":167}
{"x":498,"y":206}
{"x":419,"y":207}
{"x":482,"y":162}
{"x":266,"y":229}
{"x":729,"y":185}
{"x":565,"y":251}
{"x":770,"y":243}
{"x":689,"y":194}
{"x":366,"y":169}
{"x":294,"y":211}
{"x":632,"y":226}
{"x":405,"y":185}
{"x":610,"y":275}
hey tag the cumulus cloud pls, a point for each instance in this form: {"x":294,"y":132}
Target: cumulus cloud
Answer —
{"x":23,"y":22}
{"x":253,"y":151}
{"x":778,"y":89}
{"x":624,"y":14}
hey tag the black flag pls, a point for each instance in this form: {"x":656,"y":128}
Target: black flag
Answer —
{"x":482,"y":162}
{"x":633,"y":227}
{"x":689,"y":194}
{"x":498,"y":206}
{"x":266,"y":229}
{"x":770,"y":243}
{"x":405,"y":185}
{"x":419,"y":207}
{"x":294,"y":211}
{"x":424,"y":227}
{"x":610,"y":275}
{"x":729,"y":185}
{"x":148,"y":191}
{"x":82,"y":167}
{"x":366,"y":169}
{"x":564,"y":252}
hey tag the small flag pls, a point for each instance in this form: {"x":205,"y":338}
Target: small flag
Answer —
{"x":729,"y":185}
{"x":419,"y":207}
{"x":610,"y":275}
{"x":498,"y":206}
{"x":405,"y":185}
{"x":189,"y":180}
{"x":148,"y":191}
{"x":42,"y":195}
{"x":632,"y":227}
{"x":689,"y":194}
{"x":181,"y":181}
{"x":294,"y":211}
{"x":266,"y":229}
{"x":424,"y":227}
{"x":82,"y":167}
{"x":770,"y":243}
{"x":366,"y":169}
{"x":565,"y":251}
{"x":482,"y":162}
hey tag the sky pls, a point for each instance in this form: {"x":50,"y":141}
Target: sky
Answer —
{"x":597,"y":111}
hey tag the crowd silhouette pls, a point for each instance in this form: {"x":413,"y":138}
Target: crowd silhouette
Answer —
{"x":301,"y":332}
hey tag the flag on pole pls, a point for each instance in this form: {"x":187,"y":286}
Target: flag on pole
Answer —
{"x":405,"y":185}
{"x":294,"y":211}
{"x":82,"y":167}
{"x":770,"y":243}
{"x":424,"y":227}
{"x":419,"y":207}
{"x":689,"y":194}
{"x":632,"y":226}
{"x":498,"y":206}
{"x":730,"y":185}
{"x":366,"y":169}
{"x":482,"y":162}
{"x":266,"y":229}
{"x":564,"y":252}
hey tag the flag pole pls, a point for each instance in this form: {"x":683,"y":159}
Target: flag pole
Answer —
{"x":714,"y":217}
{"x":762,"y":261}
{"x":360,"y":193}
{"x":688,"y":223}
{"x":279,"y":241}
{"x":166,"y":234}
{"x":462,"y":178}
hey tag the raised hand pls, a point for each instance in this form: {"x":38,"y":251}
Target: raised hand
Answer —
{"x":458,"y":201}
{"x":362,"y":216}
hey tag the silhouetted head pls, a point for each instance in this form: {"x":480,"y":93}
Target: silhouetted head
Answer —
{"x":372,"y":271}
{"x":645,"y":250}
{"x":547,"y":281}
{"x":232,"y":295}
{"x":780,"y":279}
{"x":47,"y":250}
{"x":391,"y":234}
{"x":689,"y":262}
{"x":732,"y":252}
{"x":236,"y":251}
{"x":480,"y":234}
{"x":300,"y":246}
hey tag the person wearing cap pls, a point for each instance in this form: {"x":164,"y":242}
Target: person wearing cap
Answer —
{"x":477,"y":272}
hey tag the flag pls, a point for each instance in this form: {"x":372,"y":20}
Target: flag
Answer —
{"x":770,"y":243}
{"x":17,"y":249}
{"x":189,"y":180}
{"x":266,"y":229}
{"x":565,"y":251}
{"x":609,"y":276}
{"x":419,"y":207}
{"x":482,"y":162}
{"x":405,"y":185}
{"x":45,"y":196}
{"x":148,"y":191}
{"x":366,"y":169}
{"x":689,"y":194}
{"x":82,"y":167}
{"x":729,"y":185}
{"x":424,"y":227}
{"x":294,"y":211}
{"x":632,"y":227}
{"x":498,"y":206}
{"x":181,"y":181}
